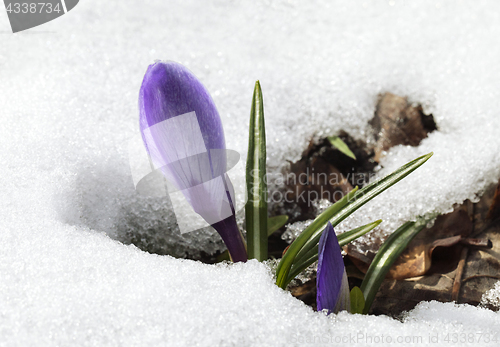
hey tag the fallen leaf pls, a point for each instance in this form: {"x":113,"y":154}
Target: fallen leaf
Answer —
{"x":448,"y":230}
{"x":398,"y":123}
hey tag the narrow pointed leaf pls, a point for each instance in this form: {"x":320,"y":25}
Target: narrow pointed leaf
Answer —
{"x":331,"y":281}
{"x":341,"y":146}
{"x":353,"y":234}
{"x":367,"y":193}
{"x":357,"y":300}
{"x":256,"y":206}
{"x":273,"y":224}
{"x":337,"y":213}
{"x":344,"y":238}
{"x":316,"y":227}
{"x":386,"y":256}
{"x":276,"y":222}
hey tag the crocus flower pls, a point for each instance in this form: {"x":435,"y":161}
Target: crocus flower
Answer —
{"x":331,"y":282}
{"x":182,"y":131}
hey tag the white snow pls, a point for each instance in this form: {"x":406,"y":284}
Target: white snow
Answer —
{"x":68,"y":97}
{"x":492,"y":297}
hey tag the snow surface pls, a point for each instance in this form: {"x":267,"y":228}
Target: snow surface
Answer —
{"x":68,"y":96}
{"x":492,"y":297}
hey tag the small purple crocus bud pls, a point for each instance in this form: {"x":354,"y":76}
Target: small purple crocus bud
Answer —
{"x":182,"y":132}
{"x":331,"y":281}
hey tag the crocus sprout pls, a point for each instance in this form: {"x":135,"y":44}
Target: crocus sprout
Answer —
{"x":331,"y":282}
{"x":182,"y":132}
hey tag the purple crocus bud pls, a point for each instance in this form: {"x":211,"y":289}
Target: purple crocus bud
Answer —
{"x":331,"y":282}
{"x":183,"y":134}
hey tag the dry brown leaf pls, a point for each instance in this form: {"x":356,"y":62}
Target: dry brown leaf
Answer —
{"x":448,"y":231}
{"x":398,"y":123}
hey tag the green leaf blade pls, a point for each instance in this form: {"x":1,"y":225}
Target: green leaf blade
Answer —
{"x":357,"y":300}
{"x":311,"y":256}
{"x":353,"y":234}
{"x":256,"y":206}
{"x":341,"y":146}
{"x":337,"y":213}
{"x":273,"y":224}
{"x":366,"y":194}
{"x":386,"y":256}
{"x":276,"y":222}
{"x":319,"y":223}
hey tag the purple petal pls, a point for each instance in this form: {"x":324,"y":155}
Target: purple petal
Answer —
{"x":168,"y":90}
{"x":176,"y":146}
{"x":183,"y":135}
{"x":331,"y":281}
{"x":230,"y":234}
